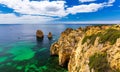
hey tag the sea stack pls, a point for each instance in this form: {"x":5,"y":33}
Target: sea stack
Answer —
{"x":39,"y":35}
{"x":49,"y":35}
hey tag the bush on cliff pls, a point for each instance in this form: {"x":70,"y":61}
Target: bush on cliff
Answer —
{"x":99,"y":62}
{"x":110,"y":35}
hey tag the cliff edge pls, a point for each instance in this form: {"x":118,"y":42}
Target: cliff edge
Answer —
{"x":90,"y":49}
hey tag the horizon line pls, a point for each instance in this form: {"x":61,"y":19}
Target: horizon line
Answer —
{"x":73,"y":22}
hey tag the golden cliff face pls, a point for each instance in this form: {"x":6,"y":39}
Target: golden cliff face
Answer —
{"x":91,"y":49}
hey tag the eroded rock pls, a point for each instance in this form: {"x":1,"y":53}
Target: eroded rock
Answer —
{"x":50,"y":36}
{"x":78,"y":48}
{"x":39,"y":35}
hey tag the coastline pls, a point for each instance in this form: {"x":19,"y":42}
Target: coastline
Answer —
{"x":77,"y":49}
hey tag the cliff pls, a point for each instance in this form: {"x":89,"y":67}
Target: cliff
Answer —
{"x":90,"y":49}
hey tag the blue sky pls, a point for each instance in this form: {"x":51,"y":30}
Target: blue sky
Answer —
{"x":59,"y":11}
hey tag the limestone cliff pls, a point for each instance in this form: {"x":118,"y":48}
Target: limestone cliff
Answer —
{"x":90,"y":49}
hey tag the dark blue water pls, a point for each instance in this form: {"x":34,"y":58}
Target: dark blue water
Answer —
{"x":20,"y":52}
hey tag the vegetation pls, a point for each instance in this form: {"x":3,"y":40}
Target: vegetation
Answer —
{"x":91,"y":38}
{"x":110,"y":35}
{"x":99,"y":62}
{"x":85,"y":39}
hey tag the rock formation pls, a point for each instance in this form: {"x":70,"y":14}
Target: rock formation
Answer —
{"x":39,"y":35}
{"x":49,"y":35}
{"x":90,"y":49}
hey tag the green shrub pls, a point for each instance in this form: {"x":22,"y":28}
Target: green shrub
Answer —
{"x":85,"y":39}
{"x":92,"y":38}
{"x":99,"y":62}
{"x":110,"y":35}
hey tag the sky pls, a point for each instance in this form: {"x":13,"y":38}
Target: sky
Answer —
{"x":59,"y":11}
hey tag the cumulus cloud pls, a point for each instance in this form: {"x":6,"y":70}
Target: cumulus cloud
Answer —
{"x":54,"y":8}
{"x":87,"y":0}
{"x":111,"y":1}
{"x":25,"y":19}
{"x":92,"y":7}
{"x":84,"y":8}
{"x":45,"y":10}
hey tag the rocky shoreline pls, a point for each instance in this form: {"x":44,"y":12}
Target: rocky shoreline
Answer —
{"x":90,"y":49}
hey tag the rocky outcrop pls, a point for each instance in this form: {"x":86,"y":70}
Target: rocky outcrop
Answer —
{"x":90,"y":49}
{"x":64,"y":46}
{"x":49,"y":35}
{"x":39,"y":35}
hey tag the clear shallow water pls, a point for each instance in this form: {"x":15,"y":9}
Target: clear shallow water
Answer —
{"x":20,"y":52}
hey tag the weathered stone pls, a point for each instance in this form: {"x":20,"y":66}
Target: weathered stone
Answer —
{"x":50,"y":36}
{"x":54,"y":49}
{"x":76,"y":55}
{"x":39,"y":35}
{"x":64,"y":56}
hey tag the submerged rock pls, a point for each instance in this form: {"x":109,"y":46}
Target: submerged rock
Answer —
{"x":39,"y":35}
{"x":92,"y":49}
{"x":50,"y":36}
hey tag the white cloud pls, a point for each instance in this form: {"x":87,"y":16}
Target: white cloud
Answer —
{"x":87,"y":0}
{"x":25,"y":19}
{"x":92,"y":7}
{"x":85,"y":8}
{"x":111,"y":1}
{"x":54,"y":8}
{"x":47,"y":9}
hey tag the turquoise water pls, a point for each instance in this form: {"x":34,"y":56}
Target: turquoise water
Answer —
{"x":20,"y":52}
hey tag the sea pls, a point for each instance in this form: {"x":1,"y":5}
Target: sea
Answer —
{"x":21,"y":52}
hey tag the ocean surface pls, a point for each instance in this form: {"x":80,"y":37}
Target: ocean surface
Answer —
{"x":20,"y":52}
